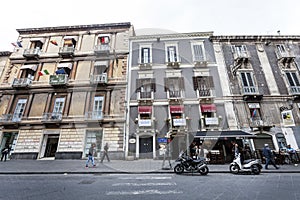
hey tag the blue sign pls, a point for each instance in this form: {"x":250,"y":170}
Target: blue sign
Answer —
{"x":162,"y":140}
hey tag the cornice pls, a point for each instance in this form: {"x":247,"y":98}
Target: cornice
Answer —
{"x":75,"y":28}
{"x":256,"y":38}
{"x":172,"y":35}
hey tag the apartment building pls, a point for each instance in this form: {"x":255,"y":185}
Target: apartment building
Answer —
{"x":259,"y":76}
{"x":64,"y":89}
{"x":174,"y":96}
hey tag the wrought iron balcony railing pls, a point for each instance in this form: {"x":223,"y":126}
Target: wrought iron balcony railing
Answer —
{"x":21,"y":82}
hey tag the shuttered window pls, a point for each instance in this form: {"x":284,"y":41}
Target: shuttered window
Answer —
{"x":198,"y":52}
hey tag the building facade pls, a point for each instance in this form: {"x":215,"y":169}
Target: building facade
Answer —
{"x":64,"y":89}
{"x":174,"y":94}
{"x":260,"y":78}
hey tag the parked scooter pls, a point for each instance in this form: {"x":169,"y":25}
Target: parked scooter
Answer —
{"x":187,"y":163}
{"x":252,"y":165}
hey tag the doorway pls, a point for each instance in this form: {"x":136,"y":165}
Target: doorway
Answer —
{"x":50,"y":144}
{"x":9,"y":139}
{"x":146,"y":147}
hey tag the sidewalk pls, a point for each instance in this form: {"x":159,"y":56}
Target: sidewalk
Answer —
{"x":115,"y":166}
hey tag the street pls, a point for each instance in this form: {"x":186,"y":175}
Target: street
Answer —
{"x":150,"y":186}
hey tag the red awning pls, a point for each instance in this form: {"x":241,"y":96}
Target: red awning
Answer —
{"x":208,"y":108}
{"x":145,"y":109}
{"x":177,"y":109}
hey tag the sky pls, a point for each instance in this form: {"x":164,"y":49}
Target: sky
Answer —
{"x":222,"y":17}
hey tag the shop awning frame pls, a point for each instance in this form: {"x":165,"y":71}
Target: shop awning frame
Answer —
{"x":224,"y":134}
{"x":177,"y":109}
{"x":208,"y":108}
{"x":145,"y":109}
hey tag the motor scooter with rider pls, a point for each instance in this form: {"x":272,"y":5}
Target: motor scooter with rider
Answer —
{"x":251,"y":165}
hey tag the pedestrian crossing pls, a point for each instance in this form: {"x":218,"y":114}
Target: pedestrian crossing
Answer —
{"x":143,"y":185}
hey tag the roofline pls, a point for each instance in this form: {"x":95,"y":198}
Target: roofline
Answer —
{"x":173,"y":35}
{"x":254,"y":37}
{"x":75,"y":28}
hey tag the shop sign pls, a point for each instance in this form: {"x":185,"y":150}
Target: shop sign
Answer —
{"x":144,"y":122}
{"x":211,"y":121}
{"x":179,"y":122}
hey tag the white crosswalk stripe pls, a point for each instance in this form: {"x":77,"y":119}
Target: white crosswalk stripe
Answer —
{"x":143,"y":185}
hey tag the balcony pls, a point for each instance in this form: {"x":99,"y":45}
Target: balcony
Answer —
{"x":206,"y":93}
{"x":145,"y":96}
{"x":99,"y":79}
{"x":241,"y":56}
{"x":258,"y":122}
{"x":102,"y":49}
{"x":52,"y":117}
{"x":251,"y":93}
{"x":93,"y":115}
{"x":21,"y":82}
{"x":199,"y":61}
{"x":285,"y":56}
{"x":66,"y":51}
{"x":59,"y":79}
{"x":11,"y":118}
{"x":174,"y":95}
{"x":173,"y":62}
{"x":32,"y":53}
{"x":295,"y":90}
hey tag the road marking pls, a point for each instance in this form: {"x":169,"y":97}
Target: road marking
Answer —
{"x":139,"y":192}
{"x":146,"y":178}
{"x":144,"y":184}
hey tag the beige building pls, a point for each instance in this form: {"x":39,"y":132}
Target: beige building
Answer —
{"x":64,"y":89}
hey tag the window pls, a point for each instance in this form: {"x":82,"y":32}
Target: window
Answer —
{"x":100,"y":67}
{"x":145,"y":55}
{"x":93,"y":136}
{"x":198,"y":52}
{"x":97,"y":107}
{"x":102,"y":40}
{"x":64,"y":68}
{"x":19,"y":110}
{"x":59,"y":105}
{"x":174,"y":86}
{"x":281,"y":48}
{"x":204,"y":84}
{"x":240,"y":50}
{"x":36,"y":44}
{"x":145,"y":87}
{"x":28,"y":71}
{"x":247,"y":82}
{"x":293,"y":82}
{"x":172,"y":54}
{"x":69,"y":41}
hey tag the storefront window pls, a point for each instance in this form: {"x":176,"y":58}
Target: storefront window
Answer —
{"x":281,"y":141}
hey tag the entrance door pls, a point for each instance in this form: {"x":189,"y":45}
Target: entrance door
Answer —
{"x":146,"y":147}
{"x":51,"y":145}
{"x":9,"y":140}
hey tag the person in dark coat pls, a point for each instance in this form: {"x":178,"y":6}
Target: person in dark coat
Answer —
{"x":4,"y":152}
{"x":268,"y":155}
{"x":105,"y":153}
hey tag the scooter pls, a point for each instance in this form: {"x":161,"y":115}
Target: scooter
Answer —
{"x":187,"y":163}
{"x":252,"y":165}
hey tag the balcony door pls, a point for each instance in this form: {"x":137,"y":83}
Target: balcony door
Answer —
{"x":19,"y":110}
{"x":97,"y":108}
{"x":59,"y":105}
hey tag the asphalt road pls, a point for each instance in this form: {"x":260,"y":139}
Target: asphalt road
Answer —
{"x":150,"y":186}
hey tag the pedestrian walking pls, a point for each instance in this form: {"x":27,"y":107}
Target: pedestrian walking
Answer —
{"x":269,"y":156}
{"x":105,"y":153}
{"x":91,"y":156}
{"x":4,"y":153}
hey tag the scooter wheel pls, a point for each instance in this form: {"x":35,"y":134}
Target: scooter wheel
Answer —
{"x":234,"y":169}
{"x":204,"y":170}
{"x":178,"y":169}
{"x":255,"y":169}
